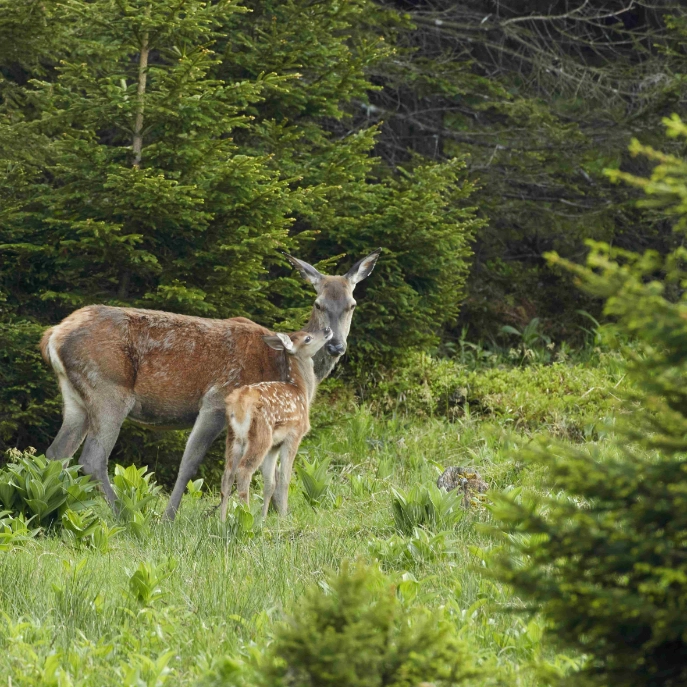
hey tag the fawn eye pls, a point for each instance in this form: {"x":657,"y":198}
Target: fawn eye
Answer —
{"x":318,"y":306}
{"x":307,"y":339}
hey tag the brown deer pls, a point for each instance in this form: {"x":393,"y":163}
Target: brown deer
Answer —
{"x":269,"y":419}
{"x":170,"y":371}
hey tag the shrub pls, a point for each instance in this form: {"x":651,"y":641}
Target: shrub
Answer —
{"x":314,"y":479}
{"x":355,"y":632}
{"x":240,"y":523}
{"x":14,"y":530}
{"x":86,"y":529}
{"x":402,"y":552}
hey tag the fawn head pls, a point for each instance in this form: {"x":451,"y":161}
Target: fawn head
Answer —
{"x":302,"y":345}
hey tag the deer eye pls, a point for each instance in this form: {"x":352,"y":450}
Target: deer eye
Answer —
{"x":318,"y":306}
{"x":308,"y":339}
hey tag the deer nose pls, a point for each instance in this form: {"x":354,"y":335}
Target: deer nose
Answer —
{"x":335,"y":348}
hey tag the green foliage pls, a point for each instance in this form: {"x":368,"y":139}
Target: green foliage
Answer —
{"x":314,"y":479}
{"x":86,"y":529}
{"x":137,"y":497}
{"x":240,"y":524}
{"x":43,"y":489}
{"x":145,"y":583}
{"x":569,"y":397}
{"x":194,"y":488}
{"x":356,"y":632}
{"x":419,"y":548}
{"x":14,"y":530}
{"x":425,"y":506}
{"x":603,"y":551}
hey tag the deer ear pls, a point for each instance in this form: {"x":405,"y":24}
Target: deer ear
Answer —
{"x":279,"y":342}
{"x":308,"y":272}
{"x":363,"y":268}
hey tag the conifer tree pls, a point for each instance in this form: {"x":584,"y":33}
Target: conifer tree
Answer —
{"x":606,"y":557}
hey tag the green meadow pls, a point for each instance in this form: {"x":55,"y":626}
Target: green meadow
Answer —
{"x":196,"y":601}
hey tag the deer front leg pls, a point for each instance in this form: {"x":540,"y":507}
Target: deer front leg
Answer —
{"x":288,"y":452}
{"x":209,"y":423}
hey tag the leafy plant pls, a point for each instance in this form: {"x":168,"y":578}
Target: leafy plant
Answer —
{"x":241,"y":522}
{"x":37,"y":487}
{"x":314,"y":479}
{"x":420,"y":547}
{"x":194,"y":488}
{"x":86,"y":529}
{"x":143,"y":671}
{"x":425,"y":506}
{"x":361,"y":485}
{"x":14,"y":530}
{"x":145,"y":583}
{"x":533,"y":345}
{"x":137,"y":495}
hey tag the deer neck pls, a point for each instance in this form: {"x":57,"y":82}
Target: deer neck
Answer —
{"x":303,"y":376}
{"x":323,"y":364}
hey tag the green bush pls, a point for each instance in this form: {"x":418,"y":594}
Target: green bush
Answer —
{"x":314,"y":479}
{"x":604,"y":554}
{"x":354,"y":632}
{"x":420,"y":547}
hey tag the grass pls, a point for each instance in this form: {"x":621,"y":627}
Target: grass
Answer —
{"x":74,"y":617}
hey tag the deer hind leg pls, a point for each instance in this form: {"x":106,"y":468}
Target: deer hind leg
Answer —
{"x":232,"y":455}
{"x":258,"y":444}
{"x":105,"y":419}
{"x":268,"y":468}
{"x":288,"y":452}
{"x":74,"y":422}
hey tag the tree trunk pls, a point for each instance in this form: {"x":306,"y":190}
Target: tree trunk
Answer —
{"x":137,"y":145}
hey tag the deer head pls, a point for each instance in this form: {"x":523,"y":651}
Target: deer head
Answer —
{"x":334,"y":304}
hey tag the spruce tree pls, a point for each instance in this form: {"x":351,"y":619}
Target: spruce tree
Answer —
{"x":605,"y":557}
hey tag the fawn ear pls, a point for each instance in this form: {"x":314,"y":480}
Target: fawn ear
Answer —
{"x":279,"y":342}
{"x":363,"y":268}
{"x":308,"y":272}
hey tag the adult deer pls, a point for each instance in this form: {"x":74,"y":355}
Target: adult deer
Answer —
{"x":170,"y":371}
